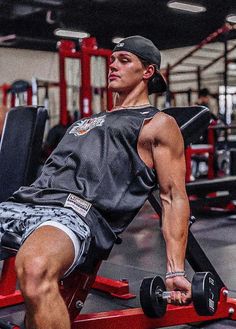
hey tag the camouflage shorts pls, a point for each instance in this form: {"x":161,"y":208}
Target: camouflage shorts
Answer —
{"x":23,"y":219}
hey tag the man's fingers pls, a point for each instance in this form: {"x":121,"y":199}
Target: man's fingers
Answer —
{"x":179,"y":298}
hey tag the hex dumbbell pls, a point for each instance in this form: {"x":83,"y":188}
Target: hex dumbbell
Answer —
{"x":205,"y":295}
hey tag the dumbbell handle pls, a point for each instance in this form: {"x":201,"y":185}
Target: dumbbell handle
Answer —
{"x":166,"y":294}
{"x":163,"y":294}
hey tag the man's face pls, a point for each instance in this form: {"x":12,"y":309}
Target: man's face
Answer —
{"x":125,"y":71}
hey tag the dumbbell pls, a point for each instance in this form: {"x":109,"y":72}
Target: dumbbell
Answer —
{"x":205,"y":295}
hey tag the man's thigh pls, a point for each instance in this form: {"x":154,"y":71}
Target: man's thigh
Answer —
{"x":51,"y":246}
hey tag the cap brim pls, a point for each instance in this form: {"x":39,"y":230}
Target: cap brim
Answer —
{"x":157,"y":84}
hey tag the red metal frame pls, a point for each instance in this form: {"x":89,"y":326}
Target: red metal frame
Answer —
{"x":208,"y":148}
{"x":212,"y":37}
{"x":4,"y":89}
{"x":67,"y":49}
{"x":201,"y":150}
{"x":170,"y":70}
{"x":9,"y":294}
{"x":116,"y":288}
{"x":135,"y":318}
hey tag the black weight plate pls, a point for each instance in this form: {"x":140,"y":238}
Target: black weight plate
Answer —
{"x":205,"y":293}
{"x":150,"y":291}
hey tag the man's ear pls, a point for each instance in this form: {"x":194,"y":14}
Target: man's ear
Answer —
{"x":149,"y":72}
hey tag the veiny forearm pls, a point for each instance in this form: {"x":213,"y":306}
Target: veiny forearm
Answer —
{"x":175,"y":221}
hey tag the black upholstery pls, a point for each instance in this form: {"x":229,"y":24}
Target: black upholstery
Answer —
{"x":206,"y":186}
{"x":192,"y":120}
{"x":20,"y":148}
{"x":10,"y":244}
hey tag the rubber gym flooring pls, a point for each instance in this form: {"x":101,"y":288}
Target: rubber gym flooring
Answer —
{"x":142,"y":254}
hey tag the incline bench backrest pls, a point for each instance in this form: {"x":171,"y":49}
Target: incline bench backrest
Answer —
{"x":20,"y":148}
{"x":192,"y":121}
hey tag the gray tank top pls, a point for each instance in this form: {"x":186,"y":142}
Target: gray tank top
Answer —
{"x":97,"y":165}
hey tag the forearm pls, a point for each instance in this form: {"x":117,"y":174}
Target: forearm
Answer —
{"x":175,"y":223}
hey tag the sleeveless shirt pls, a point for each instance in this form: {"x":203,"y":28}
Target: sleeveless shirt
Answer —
{"x":96,"y":167}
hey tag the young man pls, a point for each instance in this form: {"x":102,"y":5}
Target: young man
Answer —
{"x":93,"y":185}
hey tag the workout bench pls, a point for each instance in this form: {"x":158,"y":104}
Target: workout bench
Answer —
{"x":20,"y":147}
{"x":76,"y":286}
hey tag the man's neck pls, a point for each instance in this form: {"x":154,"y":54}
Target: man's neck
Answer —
{"x":130,"y":100}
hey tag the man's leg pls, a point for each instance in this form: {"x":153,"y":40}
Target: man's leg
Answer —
{"x":41,"y":261}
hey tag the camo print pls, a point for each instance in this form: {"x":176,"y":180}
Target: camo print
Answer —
{"x":23,"y":219}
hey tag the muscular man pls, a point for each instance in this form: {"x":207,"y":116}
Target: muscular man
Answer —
{"x":93,"y":185}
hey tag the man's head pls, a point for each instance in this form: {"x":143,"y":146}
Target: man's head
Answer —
{"x":148,"y":53}
{"x":203,"y":96}
{"x":204,"y":92}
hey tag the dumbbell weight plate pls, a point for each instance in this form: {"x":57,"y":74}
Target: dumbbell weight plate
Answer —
{"x":205,"y":293}
{"x":152,"y":304}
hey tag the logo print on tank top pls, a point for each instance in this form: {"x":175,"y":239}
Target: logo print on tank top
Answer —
{"x":84,"y":126}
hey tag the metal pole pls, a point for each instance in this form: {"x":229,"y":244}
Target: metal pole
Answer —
{"x":199,"y":79}
{"x":226,"y":73}
{"x":168,"y":93}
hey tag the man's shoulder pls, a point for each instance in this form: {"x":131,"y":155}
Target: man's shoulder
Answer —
{"x":161,"y":119}
{"x":162,"y":127}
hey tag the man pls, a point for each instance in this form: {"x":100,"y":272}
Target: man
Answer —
{"x":95,"y":182}
{"x":203,"y":97}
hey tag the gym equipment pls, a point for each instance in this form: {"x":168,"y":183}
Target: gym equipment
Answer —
{"x":76,"y":286}
{"x":4,"y":89}
{"x":21,"y":93}
{"x":223,"y":147}
{"x":20,"y":148}
{"x":205,"y":295}
{"x":194,"y":76}
{"x":232,"y":161}
{"x":88,"y":49}
{"x":217,"y":192}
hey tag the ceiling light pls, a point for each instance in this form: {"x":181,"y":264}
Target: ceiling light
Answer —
{"x":8,"y":37}
{"x":117,"y":39}
{"x":64,"y":33}
{"x":231,"y":18}
{"x":193,"y":8}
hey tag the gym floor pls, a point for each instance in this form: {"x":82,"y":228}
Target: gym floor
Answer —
{"x":142,"y":254}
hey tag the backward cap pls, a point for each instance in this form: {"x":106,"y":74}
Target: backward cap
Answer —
{"x":141,"y":47}
{"x":146,"y":50}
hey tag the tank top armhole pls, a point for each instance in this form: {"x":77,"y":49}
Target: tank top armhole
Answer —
{"x":141,"y":127}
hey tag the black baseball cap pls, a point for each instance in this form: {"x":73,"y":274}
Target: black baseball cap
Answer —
{"x":145,"y":50}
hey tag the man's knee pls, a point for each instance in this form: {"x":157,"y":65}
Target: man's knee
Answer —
{"x":36,"y":275}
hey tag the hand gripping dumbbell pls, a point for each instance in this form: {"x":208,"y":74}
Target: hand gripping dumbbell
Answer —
{"x":205,"y":295}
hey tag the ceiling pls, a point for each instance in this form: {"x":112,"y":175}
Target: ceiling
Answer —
{"x":33,"y":22}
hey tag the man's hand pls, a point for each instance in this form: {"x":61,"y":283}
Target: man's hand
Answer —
{"x":180,"y":289}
